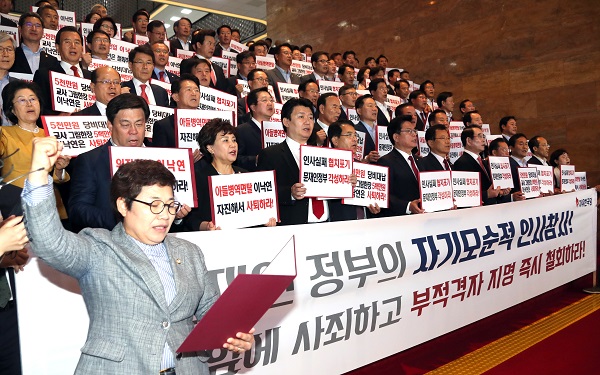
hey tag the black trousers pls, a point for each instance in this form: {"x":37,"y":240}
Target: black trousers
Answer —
{"x":10,"y":353}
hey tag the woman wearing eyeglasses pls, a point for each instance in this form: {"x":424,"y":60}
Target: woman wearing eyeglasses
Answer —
{"x":219,"y":148}
{"x":21,"y":104}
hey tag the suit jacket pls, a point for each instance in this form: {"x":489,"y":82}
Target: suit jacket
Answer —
{"x":429,"y":163}
{"x":174,"y":45}
{"x":130,"y":320}
{"x":172,"y":77}
{"x":369,"y":142}
{"x":160,"y":95}
{"x":468,"y":164}
{"x":232,"y":81}
{"x":219,"y":50}
{"x":249,"y":141}
{"x":404,"y":186}
{"x":381,"y":119}
{"x":313,"y":137}
{"x":7,"y":22}
{"x":280,"y":159}
{"x":22,"y":66}
{"x":88,"y":111}
{"x":420,"y":124}
{"x":514,"y":170}
{"x":222,"y":82}
{"x":274,"y":76}
{"x":42,"y":78}
{"x":163,"y":132}
{"x":343,"y":212}
{"x":308,"y":77}
{"x":534,"y":161}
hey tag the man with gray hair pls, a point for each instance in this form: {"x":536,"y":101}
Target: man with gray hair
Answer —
{"x":7,"y":59}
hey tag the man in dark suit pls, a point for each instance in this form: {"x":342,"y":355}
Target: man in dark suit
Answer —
{"x":161,"y":59}
{"x":141,"y":63}
{"x":473,"y":141}
{"x":328,"y":109}
{"x":69,"y":44}
{"x":183,"y":30}
{"x":499,"y":147}
{"x":224,"y":35}
{"x":540,"y":149}
{"x":246,"y":62}
{"x":31,"y":30}
{"x":404,"y":174}
{"x":281,"y":72}
{"x":348,"y":96}
{"x":378,"y":90}
{"x":186,"y":93}
{"x":367,"y":112}
{"x":106,"y":84}
{"x":257,"y":78}
{"x":438,"y":140}
{"x":294,"y":207}
{"x":204,"y":43}
{"x":518,"y":159}
{"x":249,"y":137}
{"x":419,"y":101}
{"x":320,"y":63}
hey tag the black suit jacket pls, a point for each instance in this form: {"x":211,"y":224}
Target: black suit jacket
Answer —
{"x":160,"y":95}
{"x":88,"y":111}
{"x":381,"y":119}
{"x":280,"y":159}
{"x":222,"y":82}
{"x":7,"y":22}
{"x":174,"y":45}
{"x":535,"y":161}
{"x":429,"y":164}
{"x":163,"y":132}
{"x":249,"y":141}
{"x":369,"y":142}
{"x":42,"y":78}
{"x":232,"y":81}
{"x":21,"y":64}
{"x":514,"y":170}
{"x":404,"y":186}
{"x":308,"y":77}
{"x":313,"y":137}
{"x":344,"y":212}
{"x":468,"y":164}
{"x":420,"y":124}
{"x":219,"y":50}
{"x":172,"y":77}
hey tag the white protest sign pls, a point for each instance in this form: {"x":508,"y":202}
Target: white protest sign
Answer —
{"x":119,"y":50}
{"x":301,"y":68}
{"x":70,"y":93}
{"x":363,"y":92}
{"x":490,"y":138}
{"x":265,"y":62}
{"x":231,"y":57}
{"x":183,"y":54}
{"x":140,"y":40}
{"x":157,"y":113}
{"x":325,"y":172}
{"x":173,"y":65}
{"x":353,"y":115}
{"x":455,"y":128}
{"x":245,"y":87}
{"x":78,"y":134}
{"x":546,"y":178}
{"x":485,"y":129}
{"x":287,"y":91}
{"x":189,"y":122}
{"x":217,"y":100}
{"x":15,"y":19}
{"x":456,"y":149}
{"x":272,"y":133}
{"x":21,"y":76}
{"x":223,"y":63}
{"x":567,"y":177}
{"x":85,"y":29}
{"x":423,"y":147}
{"x":65,"y":17}
{"x":243,"y":200}
{"x":121,"y":67}
{"x":178,"y":160}
{"x":436,"y":191}
{"x":528,"y":179}
{"x":47,"y":42}
{"x":237,"y":46}
{"x":329,"y":86}
{"x":384,"y":146}
{"x":372,"y":186}
{"x":12,"y":31}
{"x":580,"y":181}
{"x":360,"y":144}
{"x":466,"y":189}
{"x":391,"y":102}
{"x":277,"y":114}
{"x":501,"y":173}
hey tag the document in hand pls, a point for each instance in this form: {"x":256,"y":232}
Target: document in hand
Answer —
{"x":253,"y":294}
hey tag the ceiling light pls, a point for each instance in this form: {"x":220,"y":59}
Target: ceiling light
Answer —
{"x":186,"y":11}
{"x":175,"y":18}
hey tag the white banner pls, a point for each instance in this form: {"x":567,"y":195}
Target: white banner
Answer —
{"x":423,"y":146}
{"x":223,"y":63}
{"x":173,"y":65}
{"x":372,"y":186}
{"x":237,"y":46}
{"x":353,"y":116}
{"x":360,"y":144}
{"x":157,"y":113}
{"x":231,"y":56}
{"x":567,"y":178}
{"x":329,"y":86}
{"x":325,"y":172}
{"x":48,"y":43}
{"x":78,"y":134}
{"x":546,"y":178}
{"x":177,"y":160}
{"x":301,"y":68}
{"x":189,"y":122}
{"x":363,"y":286}
{"x":218,"y":100}
{"x":391,"y":102}
{"x":580,"y":181}
{"x":243,"y":200}
{"x":265,"y":62}
{"x":70,"y":93}
{"x":121,"y":67}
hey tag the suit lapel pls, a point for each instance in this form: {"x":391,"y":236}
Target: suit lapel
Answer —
{"x":286,"y":154}
{"x":179,"y":265}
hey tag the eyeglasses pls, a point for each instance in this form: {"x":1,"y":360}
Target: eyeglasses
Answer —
{"x":161,"y":51}
{"x":115,"y":82}
{"x":442,"y":138}
{"x":351,"y":93}
{"x":409,"y":131}
{"x":107,"y":27}
{"x":351,"y":135}
{"x":25,"y":101}
{"x":145,"y":63}
{"x":32,"y":25}
{"x":157,"y":206}
{"x":7,"y":50}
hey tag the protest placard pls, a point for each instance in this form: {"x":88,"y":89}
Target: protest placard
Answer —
{"x":189,"y":122}
{"x":70,"y":93}
{"x":384,"y":145}
{"x":78,"y":134}
{"x":287,"y":91}
{"x":501,"y":173}
{"x":567,"y":177}
{"x":157,"y":113}
{"x":325,"y":172}
{"x":580,"y":181}
{"x":466,"y":189}
{"x":272,"y":133}
{"x":372,"y":186}
{"x":436,"y":191}
{"x":529,"y":182}
{"x":545,"y":178}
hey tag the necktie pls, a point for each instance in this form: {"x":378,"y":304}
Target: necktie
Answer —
{"x":4,"y":289}
{"x":144,"y":95}
{"x":446,"y":165}
{"x":318,"y":208}
{"x":75,"y":71}
{"x":414,"y":167}
{"x":483,"y":167}
{"x":161,"y":76}
{"x":213,"y":77}
{"x":423,"y":118}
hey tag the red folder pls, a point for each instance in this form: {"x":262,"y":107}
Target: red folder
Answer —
{"x":243,"y":303}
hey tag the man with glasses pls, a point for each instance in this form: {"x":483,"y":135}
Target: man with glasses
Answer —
{"x":249,"y":134}
{"x":106,"y":85}
{"x":161,"y":59}
{"x":30,"y":56}
{"x":348,"y":96}
{"x":540,"y":149}
{"x":438,"y":140}
{"x":404,"y":173}
{"x":7,"y":59}
{"x":320,"y":63}
{"x":257,"y":78}
{"x":245,"y":63}
{"x":141,"y":63}
{"x":98,"y":46}
{"x":156,"y":32}
{"x":473,"y":141}
{"x":89,"y":203}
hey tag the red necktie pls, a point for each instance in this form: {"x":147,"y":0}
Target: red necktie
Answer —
{"x":144,"y":95}
{"x":213,"y":76}
{"x":161,"y":76}
{"x":483,"y":167}
{"x":414,"y":167}
{"x":318,"y":208}
{"x":75,"y":71}
{"x":446,"y":164}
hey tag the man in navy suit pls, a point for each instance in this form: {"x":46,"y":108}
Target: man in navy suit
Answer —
{"x":69,"y":44}
{"x":161,"y":59}
{"x":438,"y":140}
{"x":367,"y":112}
{"x":283,"y":158}
{"x":378,"y":90}
{"x":141,"y":63}
{"x":249,"y":137}
{"x":404,"y":173}
{"x":418,"y":100}
{"x":106,"y":84}
{"x":183,"y":30}
{"x":204,"y":43}
{"x":320,"y":63}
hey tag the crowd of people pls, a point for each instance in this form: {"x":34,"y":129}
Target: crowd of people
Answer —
{"x":63,"y":196}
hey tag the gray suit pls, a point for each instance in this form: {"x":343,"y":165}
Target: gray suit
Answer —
{"x":129,"y":316}
{"x":275,"y":76}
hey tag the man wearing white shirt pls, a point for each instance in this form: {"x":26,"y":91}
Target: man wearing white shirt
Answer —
{"x":329,"y":109}
{"x":379,"y":90}
{"x":262,"y":106}
{"x":508,"y":127}
{"x":284,"y":158}
{"x":418,"y":100}
{"x":438,"y":140}
{"x":141,"y":63}
{"x":320,"y":63}
{"x":445,"y":101}
{"x":540,"y":149}
{"x":366,"y":108}
{"x":106,"y":84}
{"x":183,"y":29}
